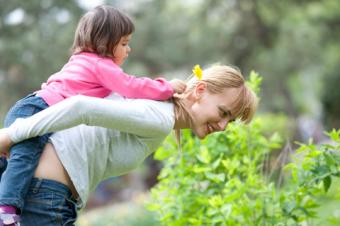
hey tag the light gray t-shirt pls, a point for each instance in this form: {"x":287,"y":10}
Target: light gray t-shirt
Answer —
{"x":91,"y":154}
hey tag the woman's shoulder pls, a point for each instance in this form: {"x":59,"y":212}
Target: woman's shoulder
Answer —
{"x":161,"y":112}
{"x":145,"y":104}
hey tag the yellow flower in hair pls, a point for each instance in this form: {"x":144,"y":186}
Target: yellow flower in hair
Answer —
{"x":198,"y":72}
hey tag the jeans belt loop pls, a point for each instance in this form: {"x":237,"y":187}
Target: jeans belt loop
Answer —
{"x":37,"y":185}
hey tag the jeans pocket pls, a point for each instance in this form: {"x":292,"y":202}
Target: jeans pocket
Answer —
{"x":70,"y":213}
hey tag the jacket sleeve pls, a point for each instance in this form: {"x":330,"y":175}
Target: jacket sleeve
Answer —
{"x":113,"y":78}
{"x":145,"y":118}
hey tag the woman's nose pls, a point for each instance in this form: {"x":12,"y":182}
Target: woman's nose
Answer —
{"x":222,"y":124}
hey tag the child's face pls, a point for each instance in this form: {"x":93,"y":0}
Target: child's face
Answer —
{"x":121,"y":52}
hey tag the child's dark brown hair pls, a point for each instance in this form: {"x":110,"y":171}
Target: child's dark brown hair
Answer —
{"x":100,"y":30}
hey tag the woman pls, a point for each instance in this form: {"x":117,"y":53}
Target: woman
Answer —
{"x":77,"y":159}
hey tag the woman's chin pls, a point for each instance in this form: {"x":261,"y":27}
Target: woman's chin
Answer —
{"x":200,"y":134}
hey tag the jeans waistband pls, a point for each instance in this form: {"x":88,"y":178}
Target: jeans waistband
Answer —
{"x":55,"y":186}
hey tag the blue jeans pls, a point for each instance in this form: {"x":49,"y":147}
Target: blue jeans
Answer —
{"x":48,"y":203}
{"x":3,"y":165}
{"x":24,"y":156}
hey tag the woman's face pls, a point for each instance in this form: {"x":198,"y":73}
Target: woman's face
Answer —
{"x":212,"y":112}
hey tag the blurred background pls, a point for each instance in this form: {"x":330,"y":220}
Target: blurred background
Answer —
{"x":293,"y":44}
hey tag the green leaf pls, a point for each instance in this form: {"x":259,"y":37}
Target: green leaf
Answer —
{"x":334,"y":135}
{"x":275,"y":140}
{"x":226,"y":209}
{"x":198,"y":169}
{"x":327,"y":181}
{"x":162,"y":154}
{"x":153,"y":206}
{"x":314,"y":153}
{"x":288,"y":207}
{"x":216,"y":201}
{"x":329,"y":159}
{"x":216,"y":177}
{"x":204,"y":155}
{"x":217,"y":162}
{"x":254,"y":81}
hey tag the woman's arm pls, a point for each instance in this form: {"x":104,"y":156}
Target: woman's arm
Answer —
{"x":144,"y":118}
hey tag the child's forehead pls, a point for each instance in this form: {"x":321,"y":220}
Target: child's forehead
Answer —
{"x":126,"y":37}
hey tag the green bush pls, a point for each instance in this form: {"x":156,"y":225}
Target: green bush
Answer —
{"x":220,"y":180}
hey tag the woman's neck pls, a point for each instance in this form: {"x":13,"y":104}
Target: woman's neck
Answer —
{"x":182,"y":116}
{"x":181,"y":123}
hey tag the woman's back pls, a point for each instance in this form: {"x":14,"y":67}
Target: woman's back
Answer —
{"x":103,"y":153}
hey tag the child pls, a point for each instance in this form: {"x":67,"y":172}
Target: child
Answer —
{"x":100,"y":47}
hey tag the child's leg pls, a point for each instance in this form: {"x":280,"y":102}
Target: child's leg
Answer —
{"x":24,"y":156}
{"x":23,"y":160}
{"x":3,"y":165}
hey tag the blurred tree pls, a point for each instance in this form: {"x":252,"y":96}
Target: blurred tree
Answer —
{"x":293,"y":66}
{"x":35,"y":37}
{"x":331,"y":99}
{"x":284,"y":40}
{"x":293,"y":44}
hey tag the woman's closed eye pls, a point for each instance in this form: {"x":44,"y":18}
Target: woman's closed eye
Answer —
{"x":224,"y":113}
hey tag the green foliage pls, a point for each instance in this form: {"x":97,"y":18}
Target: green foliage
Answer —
{"x":219,"y":181}
{"x":214,"y":181}
{"x":318,"y":164}
{"x":254,"y":81}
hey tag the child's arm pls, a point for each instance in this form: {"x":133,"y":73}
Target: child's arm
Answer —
{"x":114,"y":79}
{"x":140,"y":117}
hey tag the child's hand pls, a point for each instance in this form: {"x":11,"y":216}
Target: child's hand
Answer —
{"x":5,"y":142}
{"x":43,"y":85}
{"x":178,"y":85}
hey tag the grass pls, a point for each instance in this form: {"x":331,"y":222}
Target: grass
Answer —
{"x":131,"y":213}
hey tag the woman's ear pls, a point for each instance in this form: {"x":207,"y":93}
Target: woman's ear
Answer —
{"x":200,"y":89}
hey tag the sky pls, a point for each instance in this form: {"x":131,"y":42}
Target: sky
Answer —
{"x":17,"y":16}
{"x":86,"y":4}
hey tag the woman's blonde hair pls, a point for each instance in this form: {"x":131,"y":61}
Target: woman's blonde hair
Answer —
{"x":100,"y":30}
{"x":217,"y":78}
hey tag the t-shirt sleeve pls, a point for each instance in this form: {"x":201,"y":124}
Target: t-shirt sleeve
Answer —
{"x":140,"y":117}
